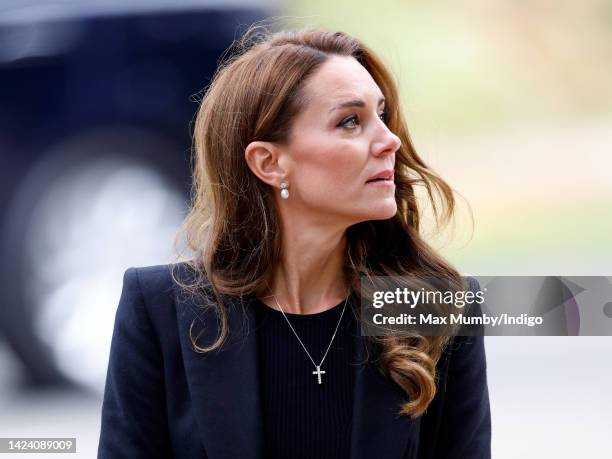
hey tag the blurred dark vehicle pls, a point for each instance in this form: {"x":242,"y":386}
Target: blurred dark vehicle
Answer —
{"x":95,"y":118}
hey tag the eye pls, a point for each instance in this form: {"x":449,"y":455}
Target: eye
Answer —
{"x":350,"y":121}
{"x":346,"y":122}
{"x":384,"y":116}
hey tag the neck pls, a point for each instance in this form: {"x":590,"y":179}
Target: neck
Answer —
{"x":309,"y":278}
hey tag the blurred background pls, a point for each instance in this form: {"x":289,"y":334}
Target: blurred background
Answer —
{"x":509,"y":101}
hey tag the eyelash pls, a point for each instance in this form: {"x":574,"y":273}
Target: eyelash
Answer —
{"x":384,"y":116}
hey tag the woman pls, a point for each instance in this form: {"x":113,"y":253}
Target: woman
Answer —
{"x":304,"y":181}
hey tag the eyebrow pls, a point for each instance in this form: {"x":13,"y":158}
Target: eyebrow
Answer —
{"x":354,"y":103}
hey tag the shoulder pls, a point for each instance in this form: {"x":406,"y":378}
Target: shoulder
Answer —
{"x":157,"y":280}
{"x":469,"y":337}
{"x":157,"y":286}
{"x":471,"y":282}
{"x":474,"y":306}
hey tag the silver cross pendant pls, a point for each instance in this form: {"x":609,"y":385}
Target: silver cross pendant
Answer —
{"x":318,"y":372}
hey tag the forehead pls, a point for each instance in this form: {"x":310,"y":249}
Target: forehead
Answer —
{"x":338,"y":79}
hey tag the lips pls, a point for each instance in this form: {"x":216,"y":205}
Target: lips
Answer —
{"x":386,"y":174}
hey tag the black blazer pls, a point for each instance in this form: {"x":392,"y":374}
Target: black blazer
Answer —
{"x":163,"y":400}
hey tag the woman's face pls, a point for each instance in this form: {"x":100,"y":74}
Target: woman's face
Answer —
{"x":339,"y":140}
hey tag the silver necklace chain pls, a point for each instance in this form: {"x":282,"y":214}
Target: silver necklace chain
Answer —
{"x":318,"y":370}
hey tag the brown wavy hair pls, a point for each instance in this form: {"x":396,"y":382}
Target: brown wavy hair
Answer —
{"x":232,"y":228}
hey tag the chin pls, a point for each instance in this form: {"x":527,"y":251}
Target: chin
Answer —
{"x":383,"y":212}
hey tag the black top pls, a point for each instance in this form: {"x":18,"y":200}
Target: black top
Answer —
{"x":302,"y":418}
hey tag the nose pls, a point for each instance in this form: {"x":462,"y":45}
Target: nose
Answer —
{"x":386,"y":143}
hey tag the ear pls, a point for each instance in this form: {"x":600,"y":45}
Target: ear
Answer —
{"x":263,"y":160}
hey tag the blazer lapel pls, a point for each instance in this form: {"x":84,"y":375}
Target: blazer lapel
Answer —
{"x":224,"y":385}
{"x":378,"y":431}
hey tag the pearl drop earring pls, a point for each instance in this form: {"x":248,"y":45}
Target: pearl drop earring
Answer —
{"x":284,"y":191}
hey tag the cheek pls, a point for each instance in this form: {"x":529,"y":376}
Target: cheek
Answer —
{"x":331,"y":169}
